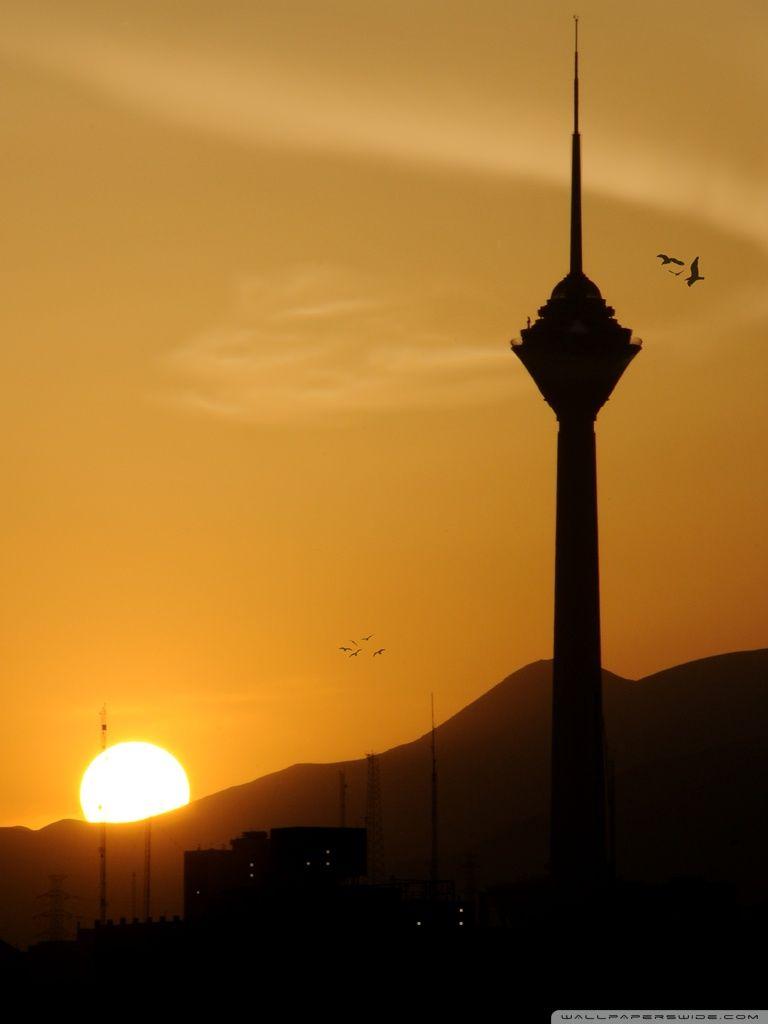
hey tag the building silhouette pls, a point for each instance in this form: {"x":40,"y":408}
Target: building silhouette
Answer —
{"x":576,"y":351}
{"x":308,"y":879}
{"x":300,"y":859}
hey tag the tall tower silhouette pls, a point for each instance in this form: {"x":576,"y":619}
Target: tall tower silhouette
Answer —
{"x":373,"y":821}
{"x":576,"y":351}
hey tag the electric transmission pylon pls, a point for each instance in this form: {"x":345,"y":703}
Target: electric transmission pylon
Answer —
{"x":55,"y":912}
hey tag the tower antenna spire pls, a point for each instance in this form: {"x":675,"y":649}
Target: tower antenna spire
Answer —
{"x":576,"y":161}
{"x":576,"y":73}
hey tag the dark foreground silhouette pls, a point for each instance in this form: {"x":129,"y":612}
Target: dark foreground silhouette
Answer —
{"x":686,"y":943}
{"x":691,"y":762}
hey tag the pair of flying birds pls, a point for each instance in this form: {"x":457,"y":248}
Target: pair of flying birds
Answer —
{"x":694,"y":275}
{"x":352,"y":652}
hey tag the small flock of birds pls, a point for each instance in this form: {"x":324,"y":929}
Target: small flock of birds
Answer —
{"x":694,"y":274}
{"x":353,"y":652}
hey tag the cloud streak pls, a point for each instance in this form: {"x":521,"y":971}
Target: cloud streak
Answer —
{"x":272,"y":105}
{"x":299,"y":344}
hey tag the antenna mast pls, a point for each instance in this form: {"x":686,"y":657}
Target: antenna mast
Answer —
{"x":576,"y":162}
{"x":434,"y":872}
{"x":576,"y":74}
{"x":147,"y":866}
{"x":103,"y":835}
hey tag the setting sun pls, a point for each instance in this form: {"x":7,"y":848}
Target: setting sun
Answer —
{"x":131,"y":781}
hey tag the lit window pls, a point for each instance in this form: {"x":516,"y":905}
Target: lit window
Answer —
{"x":308,"y":863}
{"x":461,"y":924}
{"x":251,"y":875}
{"x":197,"y":892}
{"x":418,"y":923}
{"x":461,"y":910}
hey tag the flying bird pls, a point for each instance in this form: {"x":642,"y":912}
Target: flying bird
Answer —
{"x":366,"y":638}
{"x":354,"y":654}
{"x":695,"y":275}
{"x":669,"y":259}
{"x":345,"y":648}
{"x":380,"y":651}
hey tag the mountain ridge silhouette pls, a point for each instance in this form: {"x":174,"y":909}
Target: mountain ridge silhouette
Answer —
{"x":688,"y":744}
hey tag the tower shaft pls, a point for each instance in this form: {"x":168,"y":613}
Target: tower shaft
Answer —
{"x":578,"y":831}
{"x":342,"y":798}
{"x":373,"y":821}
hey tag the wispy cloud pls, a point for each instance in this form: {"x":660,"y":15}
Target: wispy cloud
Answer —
{"x":312,"y":341}
{"x":267,"y":104}
{"x":272,"y":104}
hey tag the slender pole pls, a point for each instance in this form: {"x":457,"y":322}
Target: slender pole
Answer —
{"x":434,"y":864}
{"x":576,"y":75}
{"x":147,"y":867}
{"x":576,"y":266}
{"x":103,"y":836}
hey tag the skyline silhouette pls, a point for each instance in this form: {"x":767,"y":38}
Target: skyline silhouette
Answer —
{"x":687,"y":802}
{"x":681,"y":924}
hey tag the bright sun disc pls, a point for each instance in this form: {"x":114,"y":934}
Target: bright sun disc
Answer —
{"x":131,"y":781}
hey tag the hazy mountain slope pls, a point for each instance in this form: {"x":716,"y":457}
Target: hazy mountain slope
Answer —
{"x":690,"y":757}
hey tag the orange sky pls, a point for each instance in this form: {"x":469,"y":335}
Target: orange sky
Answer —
{"x":260,"y":266}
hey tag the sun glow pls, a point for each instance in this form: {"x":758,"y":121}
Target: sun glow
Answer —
{"x":131,"y":781}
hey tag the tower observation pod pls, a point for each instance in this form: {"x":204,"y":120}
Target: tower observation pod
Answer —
{"x":576,"y":351}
